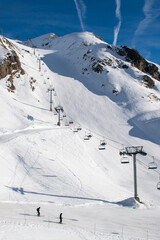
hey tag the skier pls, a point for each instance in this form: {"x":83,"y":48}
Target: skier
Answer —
{"x":60,"y":218}
{"x":38,"y":211}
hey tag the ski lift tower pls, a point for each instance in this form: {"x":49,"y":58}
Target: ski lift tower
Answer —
{"x":51,"y":90}
{"x":58,"y":110}
{"x":39,"y":59}
{"x":133,"y":151}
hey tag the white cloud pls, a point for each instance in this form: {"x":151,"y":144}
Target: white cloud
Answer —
{"x":118,"y":15}
{"x":150,"y":15}
{"x":81,"y":9}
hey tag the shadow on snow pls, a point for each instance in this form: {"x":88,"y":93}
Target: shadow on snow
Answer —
{"x":130,"y":202}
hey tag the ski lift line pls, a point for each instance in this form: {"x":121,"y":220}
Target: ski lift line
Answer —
{"x":95,"y":132}
{"x":112,"y":140}
{"x":85,"y":129}
{"x":102,"y":136}
{"x":122,"y":144}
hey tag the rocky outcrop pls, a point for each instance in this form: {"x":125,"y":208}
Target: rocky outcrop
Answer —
{"x":133,"y":56}
{"x":10,"y":67}
{"x":148,"y":82}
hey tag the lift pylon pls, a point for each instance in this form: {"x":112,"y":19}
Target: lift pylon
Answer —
{"x":133,"y":151}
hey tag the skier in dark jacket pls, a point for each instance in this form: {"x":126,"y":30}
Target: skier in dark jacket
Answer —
{"x":60,"y":218}
{"x":38,"y":211}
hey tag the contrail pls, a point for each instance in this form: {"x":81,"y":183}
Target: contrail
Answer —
{"x":150,"y":15}
{"x":81,"y":11}
{"x":118,"y":15}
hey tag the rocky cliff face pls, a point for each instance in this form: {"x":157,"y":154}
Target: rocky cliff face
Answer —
{"x":133,"y":56}
{"x":10,"y":65}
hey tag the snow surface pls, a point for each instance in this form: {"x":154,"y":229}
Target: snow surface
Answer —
{"x":54,"y":167}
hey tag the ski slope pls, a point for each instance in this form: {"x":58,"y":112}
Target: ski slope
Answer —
{"x":53,"y":166}
{"x":79,"y":222}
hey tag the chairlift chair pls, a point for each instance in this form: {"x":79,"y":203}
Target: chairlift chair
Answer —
{"x":101,"y":147}
{"x":89,"y":135}
{"x":102,"y":142}
{"x":124,"y":160}
{"x":152,"y":165}
{"x":66,"y":123}
{"x":122,"y":152}
{"x":86,"y":137}
{"x":70,"y":122}
{"x":75,"y":130}
{"x":158,"y":186}
{"x":79,"y":128}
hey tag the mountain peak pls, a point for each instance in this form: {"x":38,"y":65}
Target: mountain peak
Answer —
{"x":99,"y":88}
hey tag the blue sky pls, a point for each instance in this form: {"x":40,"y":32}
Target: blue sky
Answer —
{"x":135,"y":23}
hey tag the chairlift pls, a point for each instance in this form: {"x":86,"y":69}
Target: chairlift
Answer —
{"x":86,"y":137}
{"x":75,"y":130}
{"x":70,"y":122}
{"x":66,"y":123}
{"x":158,"y":186}
{"x":89,"y":135}
{"x":64,"y":115}
{"x":79,"y":128}
{"x":122,"y":152}
{"x":124,"y":160}
{"x":101,"y":147}
{"x":103,"y":143}
{"x":152,"y":165}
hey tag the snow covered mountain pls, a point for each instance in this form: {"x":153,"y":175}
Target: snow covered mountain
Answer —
{"x":111,"y":93}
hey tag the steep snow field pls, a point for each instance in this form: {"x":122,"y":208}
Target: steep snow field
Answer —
{"x":54,"y":167}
